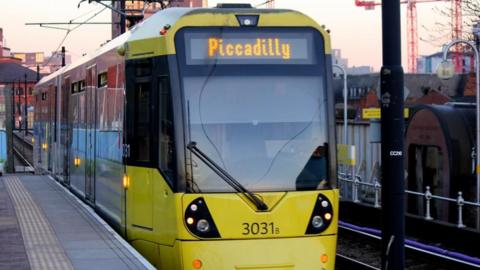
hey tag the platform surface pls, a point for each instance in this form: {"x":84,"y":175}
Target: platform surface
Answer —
{"x":43,"y":226}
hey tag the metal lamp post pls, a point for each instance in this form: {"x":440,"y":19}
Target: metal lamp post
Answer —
{"x":345,"y":133}
{"x":446,"y":71}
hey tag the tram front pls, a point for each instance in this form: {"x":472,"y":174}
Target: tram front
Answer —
{"x":260,"y":167}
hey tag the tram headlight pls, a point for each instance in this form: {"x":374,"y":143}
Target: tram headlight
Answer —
{"x":317,"y":221}
{"x":322,"y":215}
{"x":199,"y":221}
{"x":203,"y":225}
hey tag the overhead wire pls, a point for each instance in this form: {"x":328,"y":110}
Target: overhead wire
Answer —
{"x":81,"y":15}
{"x":264,"y":3}
{"x":68,"y":31}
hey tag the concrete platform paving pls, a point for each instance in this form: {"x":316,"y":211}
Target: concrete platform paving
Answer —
{"x":12,"y":250}
{"x":58,"y":230}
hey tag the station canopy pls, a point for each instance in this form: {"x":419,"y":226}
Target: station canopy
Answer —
{"x":14,"y":72}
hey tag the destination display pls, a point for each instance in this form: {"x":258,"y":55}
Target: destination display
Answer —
{"x":249,"y":48}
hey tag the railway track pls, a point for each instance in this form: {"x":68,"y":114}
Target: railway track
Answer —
{"x":360,"y":250}
{"x":345,"y":262}
{"x":434,"y":233}
{"x":23,"y":149}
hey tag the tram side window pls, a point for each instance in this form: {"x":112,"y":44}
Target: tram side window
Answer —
{"x":166,"y":139}
{"x":142,"y":138}
{"x":102,"y":79}
{"x":75,"y":87}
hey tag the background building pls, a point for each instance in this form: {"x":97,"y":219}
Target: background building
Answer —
{"x":337,"y":59}
{"x":4,"y":51}
{"x":16,"y":75}
{"x":21,"y":79}
{"x":429,"y":63}
{"x":47,"y":64}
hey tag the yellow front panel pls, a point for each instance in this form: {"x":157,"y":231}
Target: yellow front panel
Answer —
{"x":169,"y":244}
{"x":302,"y":253}
{"x":288,"y":215}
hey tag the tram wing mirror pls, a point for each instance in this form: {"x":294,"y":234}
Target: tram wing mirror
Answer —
{"x":445,"y":70}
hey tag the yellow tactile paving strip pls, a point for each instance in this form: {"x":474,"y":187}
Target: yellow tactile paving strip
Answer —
{"x":43,"y":248}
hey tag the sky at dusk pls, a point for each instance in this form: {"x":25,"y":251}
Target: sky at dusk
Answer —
{"x":357,"y":32}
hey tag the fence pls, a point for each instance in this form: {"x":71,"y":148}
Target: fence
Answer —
{"x":364,"y":135}
{"x":351,"y":187}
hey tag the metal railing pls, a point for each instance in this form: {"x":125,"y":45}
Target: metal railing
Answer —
{"x":357,"y":185}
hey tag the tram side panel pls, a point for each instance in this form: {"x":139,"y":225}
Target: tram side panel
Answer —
{"x":65,"y":130}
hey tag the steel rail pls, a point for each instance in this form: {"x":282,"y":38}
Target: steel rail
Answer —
{"x":23,"y":159}
{"x":347,"y":262}
{"x":416,"y":249}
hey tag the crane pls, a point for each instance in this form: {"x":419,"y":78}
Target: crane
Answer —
{"x":412,"y":32}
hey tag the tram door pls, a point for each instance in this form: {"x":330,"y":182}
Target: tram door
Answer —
{"x":90,"y":106}
{"x":64,"y":134}
{"x":51,"y":127}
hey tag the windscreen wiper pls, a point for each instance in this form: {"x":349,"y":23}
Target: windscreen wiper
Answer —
{"x":192,"y":146}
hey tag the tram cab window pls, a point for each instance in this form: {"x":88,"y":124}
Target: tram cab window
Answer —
{"x":142,"y":121}
{"x":150,"y":134}
{"x":166,"y":157}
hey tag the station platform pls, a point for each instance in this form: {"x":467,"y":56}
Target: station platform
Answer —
{"x":43,"y":226}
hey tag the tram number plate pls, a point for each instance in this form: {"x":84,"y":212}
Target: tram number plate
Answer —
{"x":262,"y":228}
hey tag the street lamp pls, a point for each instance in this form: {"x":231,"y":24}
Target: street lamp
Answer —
{"x":446,"y":70}
{"x":345,"y":138}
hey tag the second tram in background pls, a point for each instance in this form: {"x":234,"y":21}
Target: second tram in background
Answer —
{"x":204,"y":136}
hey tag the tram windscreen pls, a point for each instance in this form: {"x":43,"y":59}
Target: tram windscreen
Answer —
{"x":267,"y":127}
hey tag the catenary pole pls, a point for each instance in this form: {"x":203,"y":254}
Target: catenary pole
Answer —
{"x":25,"y":105}
{"x":391,"y":76}
{"x":63,"y":56}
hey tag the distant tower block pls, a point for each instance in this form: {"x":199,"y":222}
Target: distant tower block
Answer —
{"x":1,"y":42}
{"x":271,"y":4}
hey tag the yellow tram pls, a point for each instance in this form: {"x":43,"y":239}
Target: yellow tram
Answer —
{"x":206,"y":137}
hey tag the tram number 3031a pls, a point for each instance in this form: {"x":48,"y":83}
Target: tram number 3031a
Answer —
{"x":262,"y":228}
